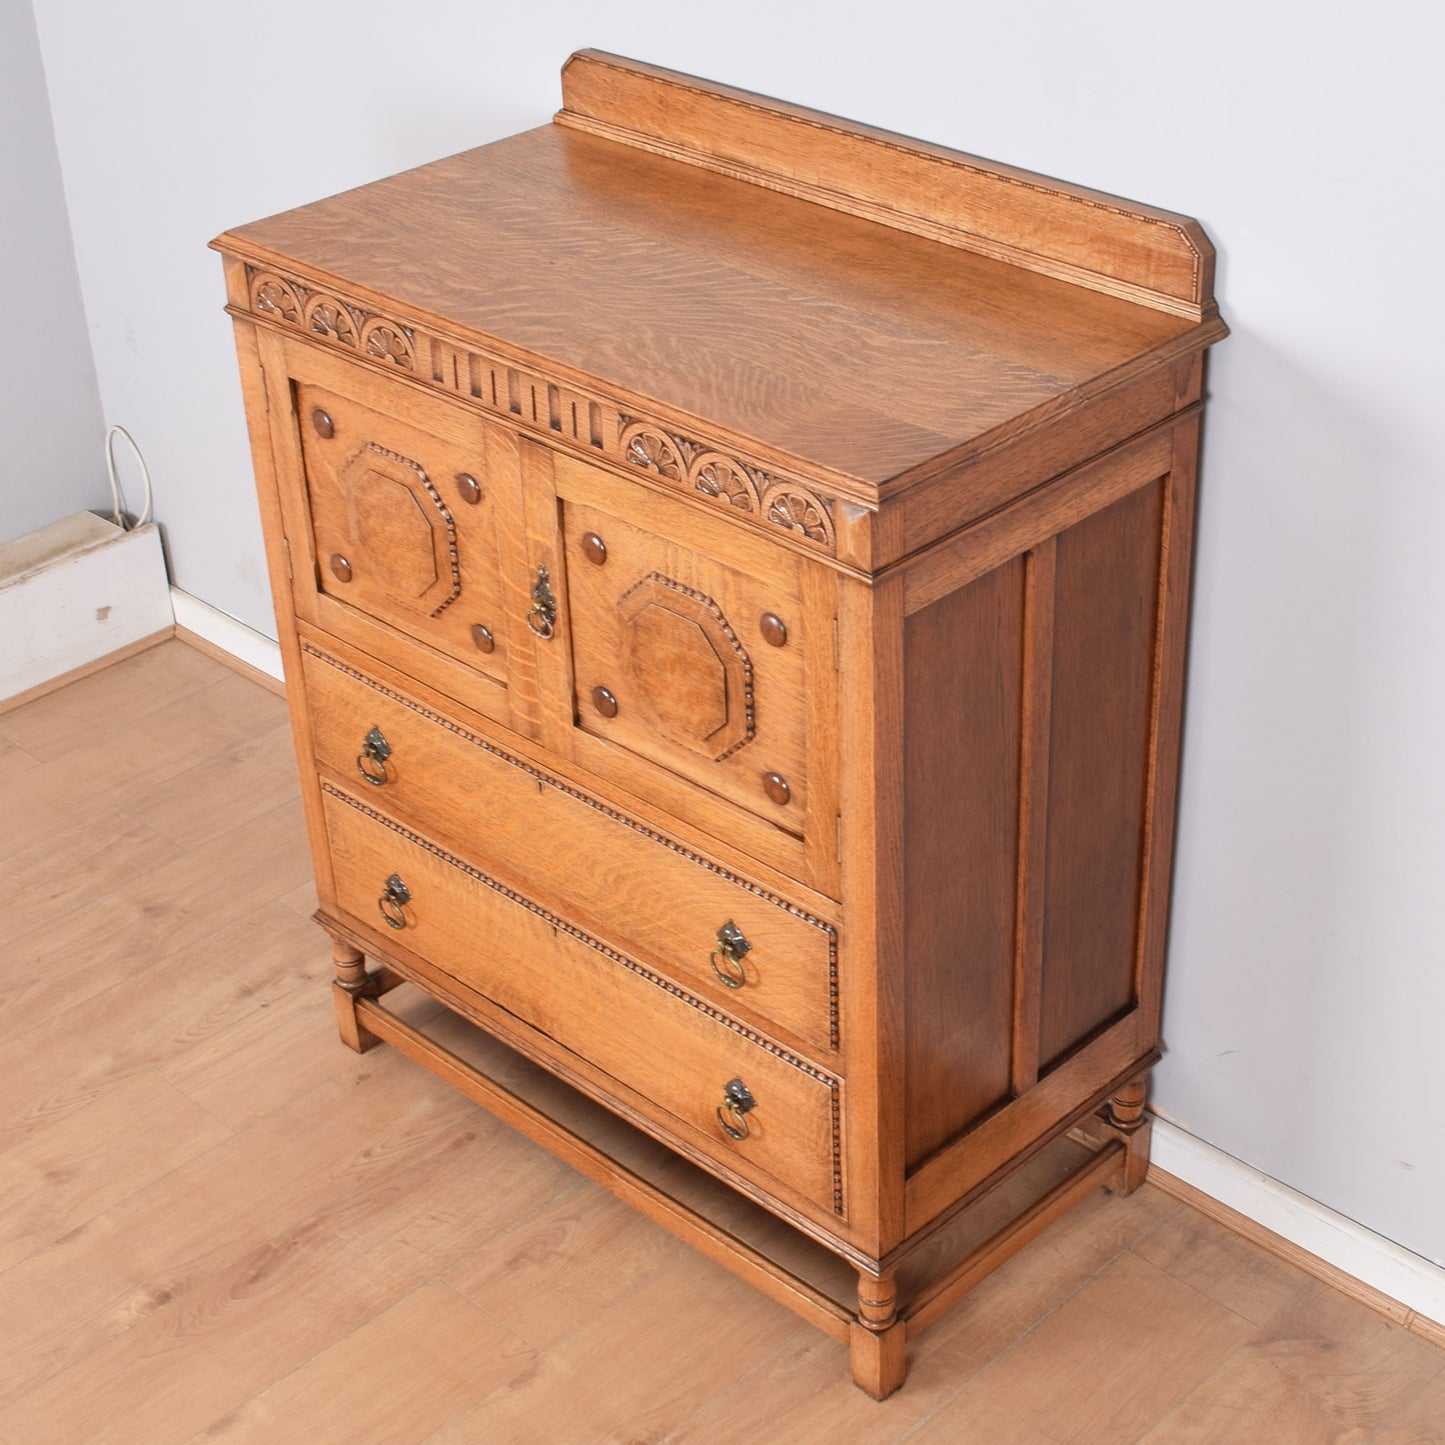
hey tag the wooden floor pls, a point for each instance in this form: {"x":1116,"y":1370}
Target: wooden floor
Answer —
{"x":216,"y":1223}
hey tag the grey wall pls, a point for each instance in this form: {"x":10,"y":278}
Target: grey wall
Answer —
{"x":50,"y":419}
{"x":1307,"y":980}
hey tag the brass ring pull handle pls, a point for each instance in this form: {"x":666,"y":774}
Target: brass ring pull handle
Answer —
{"x":392,"y":903}
{"x":737,"y":1101}
{"x":542,"y":619}
{"x":371,"y":760}
{"x":727,"y":957}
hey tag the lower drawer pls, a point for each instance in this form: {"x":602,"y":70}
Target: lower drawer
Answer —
{"x":679,"y":1053}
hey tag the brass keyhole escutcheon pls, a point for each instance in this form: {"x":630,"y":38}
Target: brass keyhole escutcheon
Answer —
{"x":395,"y":895}
{"x":737,"y":1101}
{"x":469,"y":489}
{"x":776,"y":787}
{"x":727,"y":957}
{"x":340,"y":567}
{"x":371,"y":760}
{"x":594,"y":549}
{"x":604,"y":702}
{"x":322,"y":423}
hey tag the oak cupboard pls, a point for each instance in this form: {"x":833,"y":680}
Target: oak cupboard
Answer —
{"x":732,"y":568}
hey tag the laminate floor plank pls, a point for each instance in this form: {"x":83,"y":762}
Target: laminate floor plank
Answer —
{"x":217,"y":1223}
{"x":237,"y":1268}
{"x":1099,"y":1370}
{"x":425,"y":1386}
{"x":1219,"y":1263}
{"x":128,"y":691}
{"x":591,"y":1243}
{"x":195,"y":998}
{"x":133,"y":760}
{"x":637,"y":1369}
{"x":1324,"y":1370}
{"x":64,"y":1173}
{"x":234,"y":786}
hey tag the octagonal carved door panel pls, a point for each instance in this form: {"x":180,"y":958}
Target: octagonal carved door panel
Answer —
{"x":404,"y":515}
{"x":691,"y":657}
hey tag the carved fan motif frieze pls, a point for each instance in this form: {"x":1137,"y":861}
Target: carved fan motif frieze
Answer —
{"x":727,"y":480}
{"x":530,"y":399}
{"x":282,"y":298}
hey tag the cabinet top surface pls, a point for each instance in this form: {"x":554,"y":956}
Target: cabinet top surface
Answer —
{"x":828,"y":338}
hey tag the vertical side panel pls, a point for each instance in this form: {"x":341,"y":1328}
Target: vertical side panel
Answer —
{"x":1106,"y":604}
{"x":963,"y":667}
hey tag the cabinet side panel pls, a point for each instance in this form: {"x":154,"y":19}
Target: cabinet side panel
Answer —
{"x":1106,"y":598}
{"x":963,"y":681}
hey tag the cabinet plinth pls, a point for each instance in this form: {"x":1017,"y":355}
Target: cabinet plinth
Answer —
{"x":732,"y":572}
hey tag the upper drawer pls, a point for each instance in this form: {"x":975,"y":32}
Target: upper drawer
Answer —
{"x":404,"y":507}
{"x":646,"y":892}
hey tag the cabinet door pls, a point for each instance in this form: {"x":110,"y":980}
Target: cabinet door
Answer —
{"x":702,"y":671}
{"x":405,"y":512}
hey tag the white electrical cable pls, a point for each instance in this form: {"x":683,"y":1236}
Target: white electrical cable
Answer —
{"x":117,"y":499}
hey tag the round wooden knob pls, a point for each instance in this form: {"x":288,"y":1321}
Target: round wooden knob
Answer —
{"x":604,"y":702}
{"x":776,"y":787}
{"x":325,"y":427}
{"x":470,"y":490}
{"x":340,"y":567}
{"x":482,"y":638}
{"x":594,"y":549}
{"x":773,"y":628}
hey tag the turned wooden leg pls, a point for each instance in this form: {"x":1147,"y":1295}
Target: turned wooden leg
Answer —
{"x":876,"y":1338}
{"x":352,"y":982}
{"x":1125,"y":1117}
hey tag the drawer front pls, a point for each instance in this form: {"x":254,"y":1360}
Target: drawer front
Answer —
{"x":404,"y":512}
{"x":673,"y":1050}
{"x":645,"y":892}
{"x":694,"y":660}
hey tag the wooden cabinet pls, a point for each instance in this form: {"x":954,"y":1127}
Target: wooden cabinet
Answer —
{"x":732,"y":567}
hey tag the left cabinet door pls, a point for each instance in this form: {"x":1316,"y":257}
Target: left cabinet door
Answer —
{"x":406,"y":504}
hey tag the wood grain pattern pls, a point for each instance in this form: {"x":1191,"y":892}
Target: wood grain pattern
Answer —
{"x":1104,"y":628}
{"x":1033,"y":221}
{"x":812,"y":579}
{"x":967,"y":349}
{"x":962,"y":660}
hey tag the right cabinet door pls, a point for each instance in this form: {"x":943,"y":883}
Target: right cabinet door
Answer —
{"x":700,"y":654}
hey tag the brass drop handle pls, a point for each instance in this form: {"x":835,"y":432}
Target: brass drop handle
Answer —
{"x":542,"y":619}
{"x":371,"y":760}
{"x":737,"y":1101}
{"x":727,"y":957}
{"x":392,"y":903}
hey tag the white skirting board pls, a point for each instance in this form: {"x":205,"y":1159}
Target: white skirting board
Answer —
{"x":221,"y":629}
{"x":1415,"y":1282}
{"x":1383,"y":1265}
{"x":74,"y":592}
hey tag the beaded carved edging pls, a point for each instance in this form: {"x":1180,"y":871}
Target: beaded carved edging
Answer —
{"x":698,"y":469}
{"x":666,"y":985}
{"x":827,"y":929}
{"x":655,"y":581}
{"x":455,"y":589}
